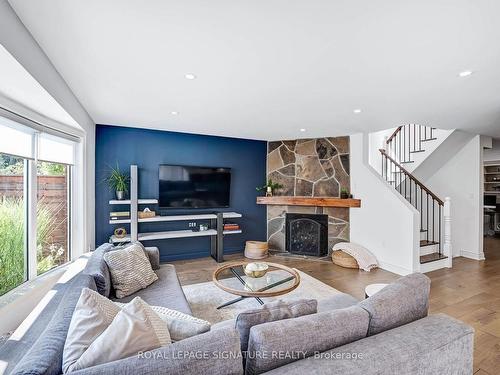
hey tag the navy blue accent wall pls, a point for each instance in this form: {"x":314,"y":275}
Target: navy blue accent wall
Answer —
{"x":149,"y":148}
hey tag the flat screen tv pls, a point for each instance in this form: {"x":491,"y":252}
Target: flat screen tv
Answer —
{"x":194,"y":187}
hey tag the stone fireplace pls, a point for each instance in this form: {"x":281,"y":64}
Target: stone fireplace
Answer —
{"x":307,"y":234}
{"x":308,"y":168}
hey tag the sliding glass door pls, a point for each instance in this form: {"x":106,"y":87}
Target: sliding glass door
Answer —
{"x":52,"y":218}
{"x":13,"y":209}
{"x":35,"y":202}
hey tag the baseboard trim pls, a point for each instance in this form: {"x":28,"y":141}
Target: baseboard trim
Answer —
{"x":394,"y":269}
{"x":472,"y":255}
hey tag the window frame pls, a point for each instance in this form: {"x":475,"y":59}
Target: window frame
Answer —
{"x":30,"y":198}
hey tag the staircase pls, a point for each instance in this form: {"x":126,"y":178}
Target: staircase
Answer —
{"x":400,"y":147}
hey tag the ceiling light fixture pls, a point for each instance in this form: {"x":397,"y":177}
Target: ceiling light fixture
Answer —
{"x":175,"y":113}
{"x":357,"y":110}
{"x":465,"y":73}
{"x":302,"y":130}
{"x":189,"y":76}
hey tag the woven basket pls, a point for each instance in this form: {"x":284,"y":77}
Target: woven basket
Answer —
{"x":256,"y":250}
{"x":344,"y":260}
{"x":145,"y":214}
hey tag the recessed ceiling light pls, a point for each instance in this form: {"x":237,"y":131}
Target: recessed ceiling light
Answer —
{"x":175,"y":113}
{"x":190,"y":76}
{"x":302,"y":130}
{"x":357,"y":110}
{"x":465,"y":73}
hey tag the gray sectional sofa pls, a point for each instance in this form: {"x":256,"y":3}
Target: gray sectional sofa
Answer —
{"x":388,"y":333}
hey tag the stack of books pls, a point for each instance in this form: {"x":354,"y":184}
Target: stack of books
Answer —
{"x":231,"y":226}
{"x":120,"y":215}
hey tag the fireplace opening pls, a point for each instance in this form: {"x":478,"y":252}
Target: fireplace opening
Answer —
{"x":306,"y":234}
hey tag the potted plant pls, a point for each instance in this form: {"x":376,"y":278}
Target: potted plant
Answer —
{"x":270,"y":187}
{"x":344,"y":193}
{"x":118,"y":182}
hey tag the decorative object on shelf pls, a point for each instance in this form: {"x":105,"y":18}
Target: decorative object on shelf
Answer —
{"x":344,"y":193}
{"x":255,"y":270}
{"x":118,"y":182}
{"x":146,"y":213}
{"x":203,"y":227}
{"x":344,"y":260}
{"x":231,"y":226}
{"x":120,"y":232}
{"x":256,"y":249}
{"x":270,"y":187}
{"x":119,"y":215}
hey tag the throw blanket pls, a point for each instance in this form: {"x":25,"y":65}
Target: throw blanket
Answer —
{"x":365,"y":259}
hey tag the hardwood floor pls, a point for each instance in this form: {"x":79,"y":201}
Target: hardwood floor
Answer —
{"x":470,"y":291}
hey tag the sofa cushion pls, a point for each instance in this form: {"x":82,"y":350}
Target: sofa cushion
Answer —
{"x":136,"y":328}
{"x":270,"y":312}
{"x":98,"y":269}
{"x":436,"y":344}
{"x":45,"y":356}
{"x":401,"y":302}
{"x":166,"y":291}
{"x":93,"y":314}
{"x":130,"y":269}
{"x":211,"y":353}
{"x":302,"y":337}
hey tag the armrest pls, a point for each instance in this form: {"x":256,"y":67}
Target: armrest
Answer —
{"x":154,"y":256}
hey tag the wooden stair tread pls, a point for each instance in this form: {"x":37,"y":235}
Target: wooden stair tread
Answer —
{"x":431,"y":257}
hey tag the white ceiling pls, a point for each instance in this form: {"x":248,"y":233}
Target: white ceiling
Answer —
{"x":265,"y":69}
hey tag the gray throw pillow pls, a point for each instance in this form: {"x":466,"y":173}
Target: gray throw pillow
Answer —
{"x":98,"y":269}
{"x":399,"y":303}
{"x":130,"y":270}
{"x":272,"y":311}
{"x":302,"y":337}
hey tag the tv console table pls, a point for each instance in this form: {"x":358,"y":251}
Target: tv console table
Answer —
{"x":216,"y":230}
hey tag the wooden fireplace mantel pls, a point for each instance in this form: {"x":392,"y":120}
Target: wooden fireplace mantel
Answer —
{"x":309,"y":201}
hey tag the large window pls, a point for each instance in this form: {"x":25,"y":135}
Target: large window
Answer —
{"x":52,"y":215}
{"x":13,"y":261}
{"x":35,"y":202}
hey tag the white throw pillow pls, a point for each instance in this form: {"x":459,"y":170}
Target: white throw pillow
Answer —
{"x":180,"y":325}
{"x":130,"y":270}
{"x":93,"y":314}
{"x":136,"y":328}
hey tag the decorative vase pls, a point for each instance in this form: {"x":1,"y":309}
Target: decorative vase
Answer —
{"x":120,"y":195}
{"x":269,"y":192}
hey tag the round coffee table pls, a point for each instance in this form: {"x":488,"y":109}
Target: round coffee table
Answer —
{"x":278,"y":280}
{"x":371,"y":289}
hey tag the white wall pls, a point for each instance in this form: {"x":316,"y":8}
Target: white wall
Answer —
{"x":493,"y":154}
{"x":386,"y":223}
{"x":23,"y":47}
{"x":460,"y":179}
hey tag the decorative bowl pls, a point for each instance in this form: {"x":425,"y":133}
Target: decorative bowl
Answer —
{"x":255,"y":269}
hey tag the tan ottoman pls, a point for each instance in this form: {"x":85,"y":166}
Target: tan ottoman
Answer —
{"x":344,"y":260}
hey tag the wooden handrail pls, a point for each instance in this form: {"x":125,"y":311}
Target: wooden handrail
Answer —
{"x":422,"y":186}
{"x":398,"y":129}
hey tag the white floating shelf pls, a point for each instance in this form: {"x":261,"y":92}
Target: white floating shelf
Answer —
{"x":167,"y":234}
{"x":226,"y":215}
{"x":492,"y":192}
{"x":232,"y":231}
{"x":140,"y":201}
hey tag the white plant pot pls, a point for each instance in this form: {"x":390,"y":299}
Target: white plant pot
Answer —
{"x":120,"y":195}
